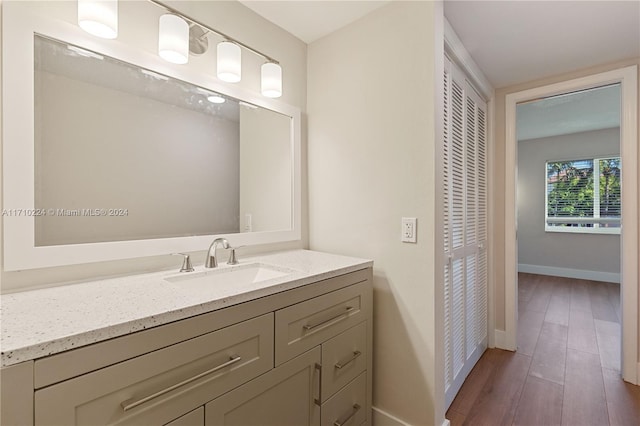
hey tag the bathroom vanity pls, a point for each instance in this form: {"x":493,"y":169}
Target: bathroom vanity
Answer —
{"x":111,"y":153}
{"x":281,"y":339}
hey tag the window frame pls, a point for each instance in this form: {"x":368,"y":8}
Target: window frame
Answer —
{"x":596,"y":229}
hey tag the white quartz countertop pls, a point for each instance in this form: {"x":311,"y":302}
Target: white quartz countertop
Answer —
{"x":42,"y":322}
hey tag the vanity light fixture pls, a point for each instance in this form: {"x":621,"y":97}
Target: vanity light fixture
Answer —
{"x":99,"y":17}
{"x":229,"y":62}
{"x":173,"y":39}
{"x":271,"y":76}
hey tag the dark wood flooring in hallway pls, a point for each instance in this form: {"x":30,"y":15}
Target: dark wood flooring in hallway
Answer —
{"x":567,"y":367}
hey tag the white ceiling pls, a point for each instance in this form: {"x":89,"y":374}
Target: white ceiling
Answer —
{"x":311,"y":20}
{"x":518,"y":41}
{"x":512,"y":41}
{"x":565,"y":114}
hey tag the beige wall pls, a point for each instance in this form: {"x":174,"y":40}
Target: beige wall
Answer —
{"x":498,"y":177}
{"x":371,"y":112}
{"x":137,"y":30}
{"x":582,"y":252}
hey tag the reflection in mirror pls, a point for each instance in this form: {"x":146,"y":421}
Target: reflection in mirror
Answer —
{"x":123,"y":153}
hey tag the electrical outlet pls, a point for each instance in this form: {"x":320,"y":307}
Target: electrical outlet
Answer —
{"x":409,"y":230}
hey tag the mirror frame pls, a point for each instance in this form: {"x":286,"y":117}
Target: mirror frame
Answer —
{"x":19,"y":24}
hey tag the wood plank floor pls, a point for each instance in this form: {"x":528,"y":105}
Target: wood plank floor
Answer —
{"x":567,"y":367}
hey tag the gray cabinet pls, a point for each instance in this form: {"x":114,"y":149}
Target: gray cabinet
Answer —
{"x":299,"y":357}
{"x":326,"y":385}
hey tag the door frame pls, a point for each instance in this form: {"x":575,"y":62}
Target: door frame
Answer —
{"x":628,"y":79}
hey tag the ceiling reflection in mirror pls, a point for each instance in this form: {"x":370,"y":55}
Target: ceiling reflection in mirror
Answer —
{"x":123,"y":153}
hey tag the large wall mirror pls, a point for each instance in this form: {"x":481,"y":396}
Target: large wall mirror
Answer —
{"x":107,"y":156}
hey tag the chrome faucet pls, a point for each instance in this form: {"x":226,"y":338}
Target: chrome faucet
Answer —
{"x":211,"y":261}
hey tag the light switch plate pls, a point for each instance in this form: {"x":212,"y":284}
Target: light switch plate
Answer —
{"x":248,"y":227}
{"x":409,"y":230}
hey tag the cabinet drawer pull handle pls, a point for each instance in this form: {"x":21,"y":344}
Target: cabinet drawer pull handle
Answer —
{"x":308,"y":327}
{"x":317,"y":400}
{"x":345,"y":420}
{"x":355,"y":355}
{"x":128,"y":405}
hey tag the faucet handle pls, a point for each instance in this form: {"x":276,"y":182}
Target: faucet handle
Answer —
{"x":186,"y":262}
{"x":233,"y":260}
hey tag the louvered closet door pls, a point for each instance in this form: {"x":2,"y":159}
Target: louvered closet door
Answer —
{"x":465,"y":228}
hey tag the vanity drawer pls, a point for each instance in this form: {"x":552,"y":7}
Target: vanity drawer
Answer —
{"x":304,"y":325}
{"x":343,"y":358}
{"x":158,"y":387}
{"x":348,"y":407}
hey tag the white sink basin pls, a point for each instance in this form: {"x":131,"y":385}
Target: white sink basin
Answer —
{"x":239,"y":275}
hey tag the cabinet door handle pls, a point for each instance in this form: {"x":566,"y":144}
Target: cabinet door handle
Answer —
{"x":128,"y":405}
{"x":345,"y":420}
{"x":317,"y":400}
{"x":355,"y":355}
{"x":308,"y":327}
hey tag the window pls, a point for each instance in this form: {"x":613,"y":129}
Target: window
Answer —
{"x":575,"y":204}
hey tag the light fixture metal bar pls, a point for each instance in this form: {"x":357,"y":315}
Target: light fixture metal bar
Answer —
{"x":206,"y":27}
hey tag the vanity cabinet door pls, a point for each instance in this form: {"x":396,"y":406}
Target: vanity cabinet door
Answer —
{"x":285,"y":396}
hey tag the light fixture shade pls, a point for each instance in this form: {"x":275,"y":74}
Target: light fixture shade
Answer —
{"x":173,"y":39}
{"x":271,"y":80}
{"x":229,"y":62}
{"x":99,"y":17}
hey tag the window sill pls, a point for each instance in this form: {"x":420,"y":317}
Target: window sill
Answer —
{"x":576,"y":230}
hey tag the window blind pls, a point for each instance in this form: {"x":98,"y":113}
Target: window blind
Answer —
{"x":583,"y":194}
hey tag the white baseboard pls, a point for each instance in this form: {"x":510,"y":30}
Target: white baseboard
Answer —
{"x":582,"y":274}
{"x":500,"y":339}
{"x":382,"y":418}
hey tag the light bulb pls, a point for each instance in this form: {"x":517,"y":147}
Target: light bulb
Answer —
{"x":173,"y":39}
{"x":271,"y":80}
{"x":229,"y":62}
